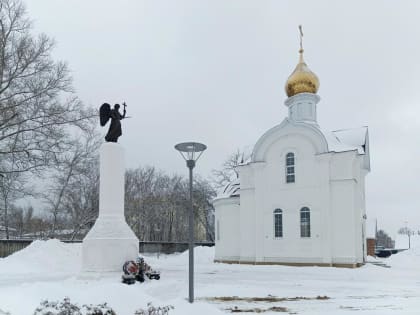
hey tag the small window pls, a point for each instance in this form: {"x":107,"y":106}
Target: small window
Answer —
{"x":278,"y":223}
{"x":290,"y":167}
{"x":218,"y":230}
{"x":305,"y":222}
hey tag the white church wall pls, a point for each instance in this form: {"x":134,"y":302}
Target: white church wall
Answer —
{"x":227,"y":229}
{"x":310,"y":189}
{"x":341,"y":166}
{"x":246,"y":175}
{"x":247,"y":215}
{"x":360,"y":209}
{"x":364,"y":214}
{"x":292,"y":247}
{"x":343,"y":221}
{"x":345,"y":206}
{"x":262,"y":186}
{"x":248,"y":218}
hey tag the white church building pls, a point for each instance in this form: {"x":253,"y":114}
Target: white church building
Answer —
{"x":300,"y":200}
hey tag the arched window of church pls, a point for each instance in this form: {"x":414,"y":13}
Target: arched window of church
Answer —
{"x":305,"y":222}
{"x":290,"y":167}
{"x":278,"y":223}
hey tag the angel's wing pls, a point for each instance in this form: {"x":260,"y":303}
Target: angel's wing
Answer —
{"x":104,"y":113}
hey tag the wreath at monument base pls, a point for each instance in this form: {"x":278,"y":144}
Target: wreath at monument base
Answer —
{"x":138,"y":270}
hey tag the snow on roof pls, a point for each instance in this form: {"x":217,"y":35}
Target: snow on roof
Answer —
{"x":230,"y":190}
{"x":347,"y":140}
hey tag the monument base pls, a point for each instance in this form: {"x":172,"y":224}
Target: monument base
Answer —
{"x":108,"y":245}
{"x":110,"y":242}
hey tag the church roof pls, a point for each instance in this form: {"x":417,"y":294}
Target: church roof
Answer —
{"x":347,"y":140}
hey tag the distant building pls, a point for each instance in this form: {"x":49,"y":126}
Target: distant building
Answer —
{"x":301,"y":198}
{"x":370,"y":245}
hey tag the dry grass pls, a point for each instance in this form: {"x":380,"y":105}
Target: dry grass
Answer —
{"x":258,"y":310}
{"x":269,"y":299}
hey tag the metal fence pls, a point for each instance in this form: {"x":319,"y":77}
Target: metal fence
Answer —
{"x":168,"y":247}
{"x":8,"y":247}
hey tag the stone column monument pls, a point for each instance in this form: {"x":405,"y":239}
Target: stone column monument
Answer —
{"x":110,"y":242}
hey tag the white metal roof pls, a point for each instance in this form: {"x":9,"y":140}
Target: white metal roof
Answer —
{"x":347,"y":139}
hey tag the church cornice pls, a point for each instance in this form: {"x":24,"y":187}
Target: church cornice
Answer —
{"x":302,"y":97}
{"x":313,"y":133}
{"x":226,"y":200}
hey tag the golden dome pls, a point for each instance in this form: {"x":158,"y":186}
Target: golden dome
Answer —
{"x":302,"y":79}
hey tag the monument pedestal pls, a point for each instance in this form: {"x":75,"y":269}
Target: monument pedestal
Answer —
{"x":110,"y":242}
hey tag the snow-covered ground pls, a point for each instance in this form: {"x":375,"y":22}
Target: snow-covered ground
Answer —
{"x":50,"y":270}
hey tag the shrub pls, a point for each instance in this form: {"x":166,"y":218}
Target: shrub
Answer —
{"x":67,"y":308}
{"x":57,"y":308}
{"x":152,"y":310}
{"x":101,"y":309}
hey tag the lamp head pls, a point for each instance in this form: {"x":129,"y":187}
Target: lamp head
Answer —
{"x":190,"y":151}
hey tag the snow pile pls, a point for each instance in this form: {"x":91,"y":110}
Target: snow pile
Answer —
{"x":202,"y":255}
{"x":401,"y":241}
{"x":408,"y":259}
{"x":43,"y":257}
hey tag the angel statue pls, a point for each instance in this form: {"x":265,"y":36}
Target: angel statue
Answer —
{"x":106,"y":113}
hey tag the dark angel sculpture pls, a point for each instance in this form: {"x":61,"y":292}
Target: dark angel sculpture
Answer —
{"x":106,"y":113}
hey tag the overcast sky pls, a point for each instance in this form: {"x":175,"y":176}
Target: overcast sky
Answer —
{"x":214,"y":72}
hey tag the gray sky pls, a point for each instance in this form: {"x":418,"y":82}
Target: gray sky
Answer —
{"x":214,"y":71}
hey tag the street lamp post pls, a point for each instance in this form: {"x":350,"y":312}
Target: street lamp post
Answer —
{"x":191,"y":152}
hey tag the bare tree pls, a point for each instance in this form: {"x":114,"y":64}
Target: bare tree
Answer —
{"x":229,"y":172}
{"x":407,"y":231}
{"x":157,"y":205}
{"x":81,"y":202}
{"x":138,"y":193}
{"x":12,"y":187}
{"x":38,"y":227}
{"x":204,"y":211}
{"x":37,"y":104}
{"x":383,"y":239}
{"x":68,"y":185}
{"x":20,"y":219}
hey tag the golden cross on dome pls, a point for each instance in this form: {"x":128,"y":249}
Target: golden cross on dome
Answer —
{"x":300,"y":38}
